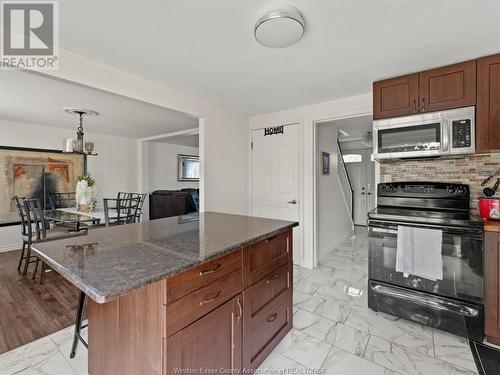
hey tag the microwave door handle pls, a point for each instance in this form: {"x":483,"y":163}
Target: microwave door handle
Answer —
{"x":445,"y":134}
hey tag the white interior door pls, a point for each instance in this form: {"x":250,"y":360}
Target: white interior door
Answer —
{"x":275,"y":178}
{"x":361,"y":171}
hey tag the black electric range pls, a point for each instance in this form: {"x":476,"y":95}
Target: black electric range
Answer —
{"x":455,"y":303}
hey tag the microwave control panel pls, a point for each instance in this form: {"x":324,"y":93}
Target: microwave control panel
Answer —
{"x":461,"y":133}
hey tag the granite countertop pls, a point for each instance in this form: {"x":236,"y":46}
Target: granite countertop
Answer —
{"x":111,"y":262}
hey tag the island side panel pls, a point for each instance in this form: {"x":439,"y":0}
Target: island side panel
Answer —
{"x":125,"y":335}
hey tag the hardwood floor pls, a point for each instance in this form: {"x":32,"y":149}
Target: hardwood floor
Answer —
{"x":28,"y":310}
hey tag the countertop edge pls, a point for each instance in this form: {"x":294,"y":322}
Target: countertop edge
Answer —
{"x":101,"y":298}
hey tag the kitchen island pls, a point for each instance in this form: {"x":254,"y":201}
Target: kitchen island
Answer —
{"x":189,"y":294}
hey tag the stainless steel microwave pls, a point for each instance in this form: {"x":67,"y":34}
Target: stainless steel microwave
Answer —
{"x":433,"y":134}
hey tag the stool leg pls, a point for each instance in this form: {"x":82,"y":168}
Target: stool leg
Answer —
{"x":44,"y":268}
{"x":22,"y":256}
{"x":36,"y":268}
{"x":78,"y":324}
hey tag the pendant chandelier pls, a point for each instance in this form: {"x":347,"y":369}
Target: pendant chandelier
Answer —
{"x":78,"y":146}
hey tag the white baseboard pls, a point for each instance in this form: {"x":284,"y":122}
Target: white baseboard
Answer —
{"x":6,"y":248}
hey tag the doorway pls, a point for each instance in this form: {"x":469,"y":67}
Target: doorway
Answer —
{"x":275,"y":177}
{"x":361,"y":170}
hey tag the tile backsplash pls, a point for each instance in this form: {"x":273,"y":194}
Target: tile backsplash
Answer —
{"x":470,"y":170}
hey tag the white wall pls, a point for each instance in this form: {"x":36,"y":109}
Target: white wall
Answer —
{"x":114,"y":169}
{"x":224,"y":134}
{"x":334,"y":219}
{"x":306,"y":117}
{"x":163,"y":169}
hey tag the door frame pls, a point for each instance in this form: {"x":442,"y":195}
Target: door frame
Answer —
{"x":366,"y":164}
{"x":300,"y":145}
{"x":315,"y":123}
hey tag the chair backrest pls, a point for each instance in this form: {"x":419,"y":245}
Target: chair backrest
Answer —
{"x":120,"y":211}
{"x":35,"y":218}
{"x":22,"y":214}
{"x":62,"y":200}
{"x":142,"y":197}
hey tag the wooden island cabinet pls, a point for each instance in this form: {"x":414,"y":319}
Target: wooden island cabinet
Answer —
{"x":228,"y":313}
{"x":492,"y":281}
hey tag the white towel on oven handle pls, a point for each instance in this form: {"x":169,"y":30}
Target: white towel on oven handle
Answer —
{"x":419,"y":252}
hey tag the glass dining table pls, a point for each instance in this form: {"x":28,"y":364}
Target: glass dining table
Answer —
{"x":73,"y":217}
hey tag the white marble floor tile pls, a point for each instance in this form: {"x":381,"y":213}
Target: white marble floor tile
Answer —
{"x":334,"y":333}
{"x":304,"y":349}
{"x":276,"y":361}
{"x":408,"y":361}
{"x":64,"y":340}
{"x":305,"y":286}
{"x":453,"y":349}
{"x":352,"y":294}
{"x":38,"y":357}
{"x":340,"y":362}
{"x":400,"y":331}
{"x":300,"y":273}
{"x":324,"y":307}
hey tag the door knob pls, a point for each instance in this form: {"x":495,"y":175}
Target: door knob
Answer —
{"x":293,"y":201}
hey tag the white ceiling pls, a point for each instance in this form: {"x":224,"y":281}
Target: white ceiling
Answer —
{"x":40,"y":100}
{"x":182,"y":140}
{"x":207,"y":47}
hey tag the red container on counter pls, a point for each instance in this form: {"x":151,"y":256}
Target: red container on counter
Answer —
{"x":489,"y":208}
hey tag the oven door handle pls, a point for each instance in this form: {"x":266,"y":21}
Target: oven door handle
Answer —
{"x":432,"y":302}
{"x":381,"y":230}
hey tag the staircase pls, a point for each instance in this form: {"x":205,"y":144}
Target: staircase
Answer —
{"x":344,"y":179}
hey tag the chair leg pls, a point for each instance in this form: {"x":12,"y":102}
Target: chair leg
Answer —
{"x":27,"y":260}
{"x":36,"y":269}
{"x":78,"y":325}
{"x":22,"y":257}
{"x":44,"y":268}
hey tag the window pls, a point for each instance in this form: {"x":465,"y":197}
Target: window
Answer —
{"x":353,"y":158}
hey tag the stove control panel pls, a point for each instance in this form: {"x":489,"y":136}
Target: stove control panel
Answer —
{"x":424,"y":189}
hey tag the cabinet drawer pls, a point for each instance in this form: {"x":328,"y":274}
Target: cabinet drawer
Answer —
{"x":186,"y":310}
{"x":259,"y":295}
{"x":187,"y":282}
{"x":263,"y":333}
{"x":266,"y":256}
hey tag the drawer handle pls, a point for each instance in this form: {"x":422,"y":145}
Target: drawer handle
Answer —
{"x":272,"y":318}
{"x":210,"y":300}
{"x":240,"y":310}
{"x":275,"y":277}
{"x":211,"y":270}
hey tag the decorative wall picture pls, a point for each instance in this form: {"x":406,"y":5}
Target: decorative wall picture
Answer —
{"x":189,"y":167}
{"x":33,"y":173}
{"x":325,"y":157}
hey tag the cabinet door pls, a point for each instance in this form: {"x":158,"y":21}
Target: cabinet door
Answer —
{"x":395,"y":97}
{"x":451,"y":86}
{"x":213,"y":342}
{"x":491,"y":286}
{"x":488,"y":103}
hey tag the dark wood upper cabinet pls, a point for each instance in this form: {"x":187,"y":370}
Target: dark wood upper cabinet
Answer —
{"x":213,"y":342}
{"x":488,"y":104}
{"x":451,"y":86}
{"x":395,"y":97}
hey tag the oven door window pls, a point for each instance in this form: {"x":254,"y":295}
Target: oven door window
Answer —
{"x":410,"y":138}
{"x":462,"y":264}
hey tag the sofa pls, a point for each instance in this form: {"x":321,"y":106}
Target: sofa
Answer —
{"x":167,"y":203}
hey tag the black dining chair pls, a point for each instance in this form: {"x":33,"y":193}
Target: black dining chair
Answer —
{"x":62,"y":200}
{"x":142,"y":198}
{"x":39,"y":230}
{"x":25,"y":233}
{"x":121,"y":210}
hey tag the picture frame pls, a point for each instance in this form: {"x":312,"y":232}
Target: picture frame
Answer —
{"x":188,"y":168}
{"x":325,"y":163}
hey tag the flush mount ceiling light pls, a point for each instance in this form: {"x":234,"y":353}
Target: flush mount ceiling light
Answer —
{"x":279,"y":28}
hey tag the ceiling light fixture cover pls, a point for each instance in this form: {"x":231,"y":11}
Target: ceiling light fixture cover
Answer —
{"x":280,"y":28}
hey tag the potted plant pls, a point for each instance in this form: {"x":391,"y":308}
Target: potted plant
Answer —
{"x":85,"y":193}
